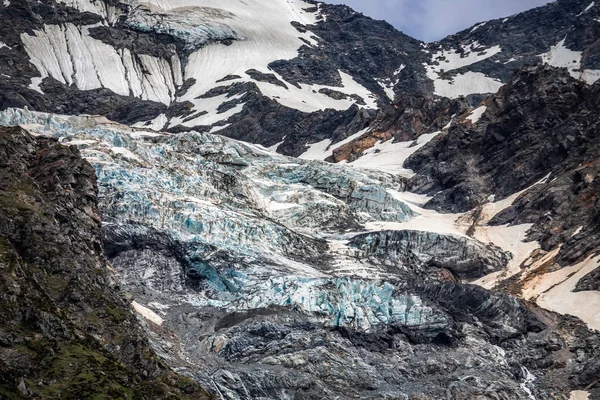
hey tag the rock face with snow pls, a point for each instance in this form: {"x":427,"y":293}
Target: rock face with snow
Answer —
{"x":242,"y":67}
{"x":544,"y":122}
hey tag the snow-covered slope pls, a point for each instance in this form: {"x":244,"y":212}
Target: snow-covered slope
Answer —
{"x":68,"y":54}
{"x":257,"y":33}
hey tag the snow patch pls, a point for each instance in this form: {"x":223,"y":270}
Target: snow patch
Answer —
{"x":587,"y":8}
{"x":388,"y":87}
{"x":274,"y":148}
{"x":478,"y":26}
{"x":555,"y":292}
{"x":317,"y":151}
{"x":349,"y":139}
{"x":390,"y":157}
{"x":579,"y":395}
{"x":476,"y":114}
{"x":529,"y":379}
{"x":455,"y":59}
{"x":147,"y":313}
{"x":157,"y":124}
{"x":207,"y":111}
{"x":324,"y":148}
{"x":462,"y":84}
{"x":307,"y":98}
{"x":560,"y":56}
{"x":466,"y":84}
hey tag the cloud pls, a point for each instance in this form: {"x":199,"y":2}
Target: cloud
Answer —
{"x":431,"y":20}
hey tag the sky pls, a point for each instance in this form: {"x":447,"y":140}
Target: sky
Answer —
{"x":431,"y":20}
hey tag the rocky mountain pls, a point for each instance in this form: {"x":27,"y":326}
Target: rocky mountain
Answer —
{"x":66,"y":330}
{"x":246,"y":70}
{"x":166,"y":159}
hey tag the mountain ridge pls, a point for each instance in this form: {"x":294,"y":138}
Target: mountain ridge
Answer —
{"x":442,"y":255}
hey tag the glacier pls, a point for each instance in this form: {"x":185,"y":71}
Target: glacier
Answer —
{"x":248,"y":267}
{"x":287,"y":219}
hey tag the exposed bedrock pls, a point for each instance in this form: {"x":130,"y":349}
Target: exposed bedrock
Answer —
{"x":424,"y":253}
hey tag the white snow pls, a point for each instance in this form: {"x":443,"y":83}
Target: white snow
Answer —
{"x":449,"y":124}
{"x":400,"y":68}
{"x":529,"y":379}
{"x":215,"y":129}
{"x":68,"y":54}
{"x":476,"y":114}
{"x":324,"y":148}
{"x":555,"y":292}
{"x":266,"y":27}
{"x":390,"y":157}
{"x":308,"y":99}
{"x":478,"y":26}
{"x":274,"y":148}
{"x":471,"y":54}
{"x":467,"y":83}
{"x":509,"y":238}
{"x":388,"y":87}
{"x":317,"y":151}
{"x":3,"y":45}
{"x":579,"y":395}
{"x":587,"y":8}
{"x":350,"y":139}
{"x":147,"y":313}
{"x":6,"y":3}
{"x":210,"y":106}
{"x":156,"y":124}
{"x":560,"y":56}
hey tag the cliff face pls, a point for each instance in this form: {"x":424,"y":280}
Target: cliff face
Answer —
{"x":542,"y":128}
{"x":66,"y":330}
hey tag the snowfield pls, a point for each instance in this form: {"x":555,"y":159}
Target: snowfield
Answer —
{"x":260,"y":32}
{"x":461,"y":84}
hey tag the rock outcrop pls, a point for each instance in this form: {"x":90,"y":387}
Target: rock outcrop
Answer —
{"x":66,"y":331}
{"x":427,"y":253}
{"x":542,"y":127}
